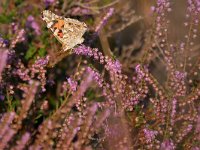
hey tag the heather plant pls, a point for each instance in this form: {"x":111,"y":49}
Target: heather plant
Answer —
{"x":132,"y":84}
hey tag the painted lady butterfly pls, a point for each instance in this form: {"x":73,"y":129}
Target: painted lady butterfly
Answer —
{"x":69,"y":32}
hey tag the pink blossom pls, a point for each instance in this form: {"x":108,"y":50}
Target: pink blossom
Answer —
{"x":48,"y":2}
{"x":149,"y":135}
{"x":72,"y":84}
{"x":83,"y":50}
{"x":96,"y":76}
{"x":104,"y":19}
{"x":3,"y":58}
{"x":31,"y":23}
{"x":167,"y":145}
{"x":79,"y":11}
{"x":113,"y":66}
{"x":173,"y":112}
{"x":139,"y":72}
{"x":23,"y":141}
{"x":179,"y":75}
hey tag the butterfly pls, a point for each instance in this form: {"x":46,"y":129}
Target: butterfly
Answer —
{"x":69,"y":32}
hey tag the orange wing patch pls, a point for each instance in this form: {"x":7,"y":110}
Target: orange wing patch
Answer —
{"x":60,"y":34}
{"x":59,"y":25}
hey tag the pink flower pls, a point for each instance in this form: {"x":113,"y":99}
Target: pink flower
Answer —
{"x":167,"y":145}
{"x":104,"y":20}
{"x":173,"y":112}
{"x":96,"y":76}
{"x":73,"y":84}
{"x":113,"y":66}
{"x":139,"y":72}
{"x":31,"y":23}
{"x":48,"y":2}
{"x":3,"y":58}
{"x":83,"y":50}
{"x":149,"y":135}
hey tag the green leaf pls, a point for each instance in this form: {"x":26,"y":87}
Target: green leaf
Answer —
{"x":6,"y":18}
{"x":90,"y":94}
{"x":31,"y":51}
{"x":18,"y":2}
{"x":42,"y":52}
{"x":53,"y":103}
{"x":137,"y":108}
{"x":16,"y":103}
{"x":40,"y":115}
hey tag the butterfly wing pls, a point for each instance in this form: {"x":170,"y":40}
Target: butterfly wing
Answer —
{"x":54,"y":23}
{"x":67,"y":31}
{"x":72,"y":33}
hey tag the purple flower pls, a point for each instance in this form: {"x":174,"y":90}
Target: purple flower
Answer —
{"x":113,"y":66}
{"x":96,"y":76}
{"x":195,"y":148}
{"x":2,"y":97}
{"x":173,"y":112}
{"x":48,"y":2}
{"x":31,"y":23}
{"x":139,"y":72}
{"x":79,"y":11}
{"x":3,"y":59}
{"x":179,"y":75}
{"x":83,"y":50}
{"x":198,"y":123}
{"x":194,"y":7}
{"x":23,"y":141}
{"x":73,"y":84}
{"x":167,"y":145}
{"x":25,"y":137}
{"x":149,"y":135}
{"x":3,"y":42}
{"x":39,"y":67}
{"x":15,"y":27}
{"x":41,"y":62}
{"x":5,"y":122}
{"x":104,"y":20}
{"x":19,"y":38}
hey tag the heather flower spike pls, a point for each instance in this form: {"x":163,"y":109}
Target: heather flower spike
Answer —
{"x":31,"y":23}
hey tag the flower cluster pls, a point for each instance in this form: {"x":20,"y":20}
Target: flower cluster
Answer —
{"x":19,"y":38}
{"x":3,"y":59}
{"x":114,"y":67}
{"x":173,"y":111}
{"x":36,"y":70}
{"x":104,"y":20}
{"x":48,"y":2}
{"x":31,"y":23}
{"x":149,"y":135}
{"x":3,"y":43}
{"x":168,"y":145}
